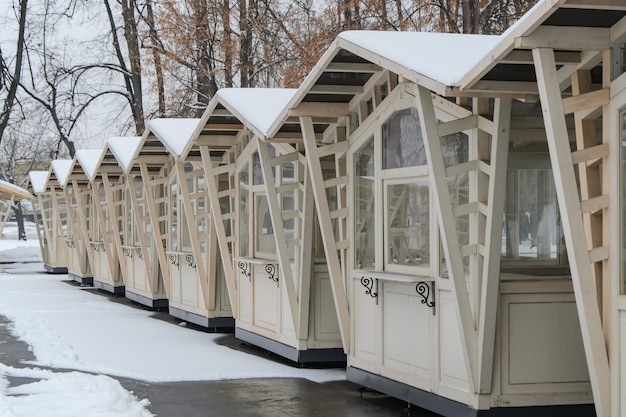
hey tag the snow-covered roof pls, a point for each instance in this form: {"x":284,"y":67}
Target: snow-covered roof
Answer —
{"x":38,"y":180}
{"x":125,"y":149}
{"x":62,"y":169}
{"x":175,"y":134}
{"x":257,"y":107}
{"x":11,"y":190}
{"x":442,"y":57}
{"x":89,"y":159}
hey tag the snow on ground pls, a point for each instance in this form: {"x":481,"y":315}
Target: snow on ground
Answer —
{"x":69,"y":327}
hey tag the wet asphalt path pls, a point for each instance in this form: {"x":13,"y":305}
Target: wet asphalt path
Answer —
{"x":271,"y":397}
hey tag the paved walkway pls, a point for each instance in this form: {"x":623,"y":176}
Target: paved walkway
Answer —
{"x":271,"y":397}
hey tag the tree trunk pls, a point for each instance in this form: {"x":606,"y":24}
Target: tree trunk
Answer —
{"x":15,"y":80}
{"x":156,"y":56}
{"x":19,"y":219}
{"x":132,"y":43}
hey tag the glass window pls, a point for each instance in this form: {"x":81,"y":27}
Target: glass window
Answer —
{"x":265,"y":242}
{"x":244,"y":213}
{"x":531,"y":231}
{"x":403,"y":144}
{"x":364,"y":197}
{"x":408,"y":224}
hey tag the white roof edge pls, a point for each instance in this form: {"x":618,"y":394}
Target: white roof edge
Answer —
{"x":62,"y":169}
{"x":89,"y":160}
{"x":125,"y":156}
{"x":8,"y":189}
{"x":38,"y":180}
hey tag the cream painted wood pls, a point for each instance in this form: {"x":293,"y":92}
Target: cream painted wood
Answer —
{"x":450,"y":243}
{"x":82,"y":208}
{"x":200,"y":271}
{"x":105,"y":250}
{"x":307,"y":264}
{"x":114,"y":217}
{"x":142,"y":268}
{"x":78,"y":261}
{"x":493,"y":242}
{"x":59,"y":211}
{"x":286,"y":274}
{"x":150,"y":201}
{"x":330,"y":245}
{"x":573,"y":228}
{"x":222,"y":239}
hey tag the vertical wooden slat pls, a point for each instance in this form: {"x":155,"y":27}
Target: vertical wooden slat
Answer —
{"x":279,"y":232}
{"x":493,"y":243}
{"x":209,"y":299}
{"x":216,"y":214}
{"x":114,"y":223}
{"x":84,"y":232}
{"x":140,"y":227}
{"x":573,"y":228}
{"x":326,"y":228}
{"x":449,"y":237}
{"x":306,"y":253}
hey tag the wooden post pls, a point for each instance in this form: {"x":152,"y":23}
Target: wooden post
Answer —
{"x":573,"y":228}
{"x":139,"y":224}
{"x":328,"y":236}
{"x":156,"y":231}
{"x":114,"y":224}
{"x":493,"y":242}
{"x":216,"y":214}
{"x":209,"y":299}
{"x":279,"y":232}
{"x":83,"y":222}
{"x":449,"y":237}
{"x":306,"y":253}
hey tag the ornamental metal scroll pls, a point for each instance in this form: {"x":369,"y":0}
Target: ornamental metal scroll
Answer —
{"x":371,"y":286}
{"x":191,"y":261}
{"x":128,"y":252}
{"x":95,"y":246}
{"x":245,"y":268}
{"x":272,"y":270}
{"x":427,"y":292}
{"x":174,"y":260}
{"x":139,"y":253}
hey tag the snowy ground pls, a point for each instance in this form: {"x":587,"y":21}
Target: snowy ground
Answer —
{"x":70,"y":328}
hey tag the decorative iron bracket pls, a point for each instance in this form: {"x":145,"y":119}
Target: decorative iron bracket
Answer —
{"x":191,"y":261}
{"x":128,"y":252}
{"x":139,"y":253}
{"x":272,"y":270}
{"x":245,"y":268}
{"x":95,"y":246}
{"x":174,"y":260}
{"x":371,"y":286}
{"x":427,"y":292}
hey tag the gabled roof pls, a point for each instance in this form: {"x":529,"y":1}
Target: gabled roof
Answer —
{"x":89,"y":160}
{"x":8,"y":190}
{"x":233,"y":110}
{"x":577,"y":30}
{"x":38,"y":180}
{"x":124,"y":149}
{"x":62,"y":168}
{"x":175,"y":134}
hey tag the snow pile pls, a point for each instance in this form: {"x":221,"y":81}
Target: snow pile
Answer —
{"x":12,"y":250}
{"x":66,"y":394}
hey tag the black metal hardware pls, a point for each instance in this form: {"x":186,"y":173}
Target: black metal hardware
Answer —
{"x":424,"y":290}
{"x":272,"y":270}
{"x":174,"y":259}
{"x":245,"y":268}
{"x":190,"y":260}
{"x":371,"y":286}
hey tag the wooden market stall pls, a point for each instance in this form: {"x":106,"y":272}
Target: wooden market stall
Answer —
{"x":265,"y":224}
{"x":9,"y":193}
{"x":72,"y":180}
{"x":51,"y":201}
{"x":37,"y":183}
{"x":102,"y":228}
{"x":144,"y":282}
{"x":469,"y":260}
{"x":197,"y":290}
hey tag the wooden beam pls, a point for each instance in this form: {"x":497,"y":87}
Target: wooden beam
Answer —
{"x":585,"y":101}
{"x":336,"y":89}
{"x":594,"y":4}
{"x":511,"y":88}
{"x":578,"y":38}
{"x":222,"y":240}
{"x":573,"y":229}
{"x":493,"y":242}
{"x":306,"y":254}
{"x":279,"y":232}
{"x":82,"y":222}
{"x":140,"y":227}
{"x":352,"y":67}
{"x":524,"y":56}
{"x":156,"y":230}
{"x":216,"y":141}
{"x":114,"y":224}
{"x":111,"y":255}
{"x":201,"y":274}
{"x":337,"y":280}
{"x":314,"y":109}
{"x":447,"y":227}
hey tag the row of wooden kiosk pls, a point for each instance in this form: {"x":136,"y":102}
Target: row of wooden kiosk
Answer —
{"x":444,"y":211}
